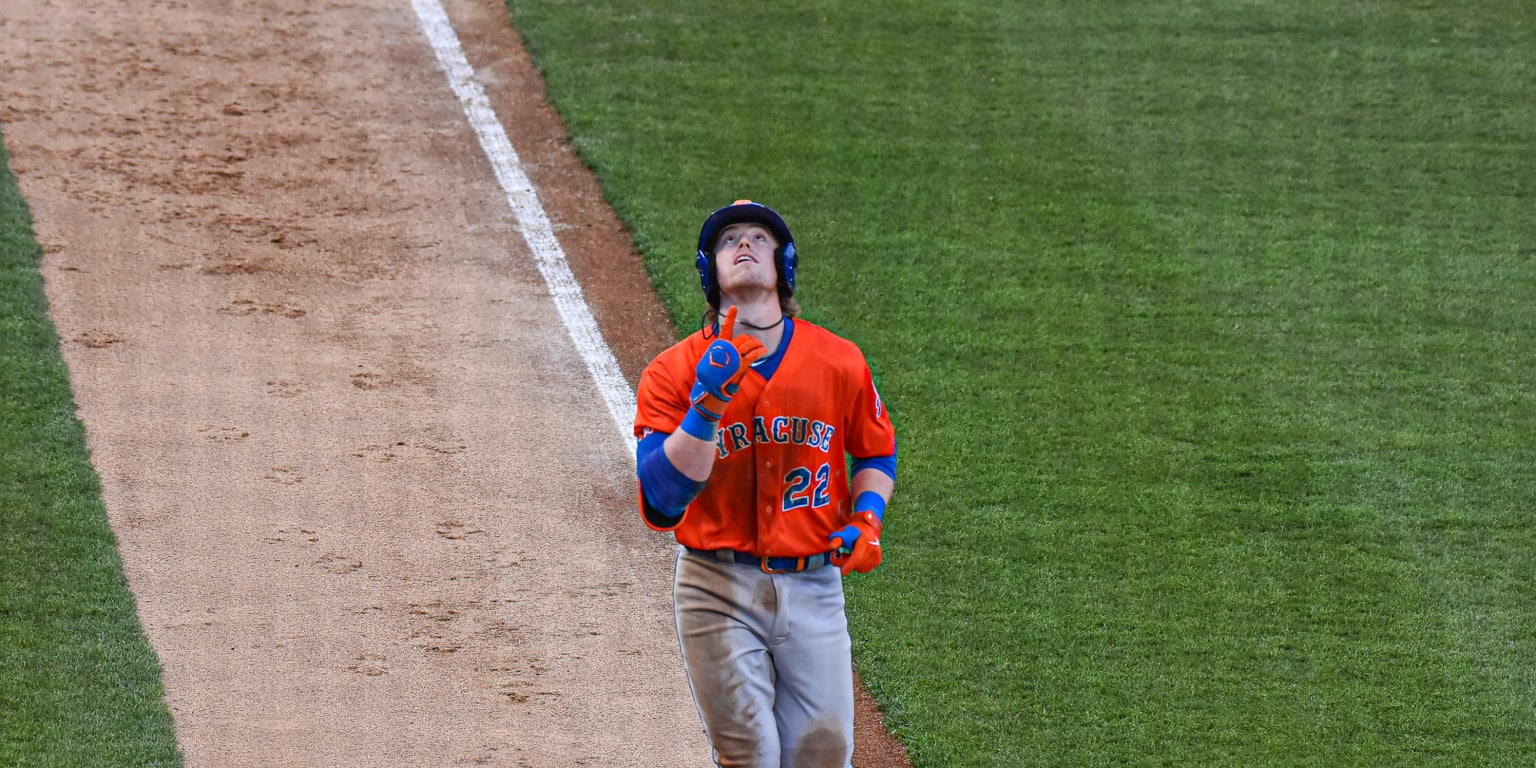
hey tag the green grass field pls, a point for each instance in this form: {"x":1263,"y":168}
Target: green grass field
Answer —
{"x":79,"y":686}
{"x":1207,"y":326}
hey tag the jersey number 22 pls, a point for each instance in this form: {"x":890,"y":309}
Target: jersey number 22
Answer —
{"x":800,"y":492}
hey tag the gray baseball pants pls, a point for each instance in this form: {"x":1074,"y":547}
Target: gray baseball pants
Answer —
{"x":769,"y":662}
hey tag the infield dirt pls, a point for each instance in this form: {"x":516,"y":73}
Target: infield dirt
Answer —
{"x":371,"y":506}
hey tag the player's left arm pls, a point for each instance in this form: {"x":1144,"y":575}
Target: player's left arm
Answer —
{"x":857,"y":544}
{"x":872,"y":480}
{"x":872,"y":440}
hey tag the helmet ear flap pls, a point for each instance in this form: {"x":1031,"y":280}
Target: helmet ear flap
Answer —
{"x":705,"y":263}
{"x":706,"y":276}
{"x":789,"y":259}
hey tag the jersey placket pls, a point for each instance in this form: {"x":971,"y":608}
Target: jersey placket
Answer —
{"x":767,"y":481}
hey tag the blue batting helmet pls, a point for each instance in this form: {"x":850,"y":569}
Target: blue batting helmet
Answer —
{"x":785,"y":259}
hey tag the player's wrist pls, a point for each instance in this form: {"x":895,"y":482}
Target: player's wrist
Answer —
{"x":698,"y":423}
{"x":872,"y":502}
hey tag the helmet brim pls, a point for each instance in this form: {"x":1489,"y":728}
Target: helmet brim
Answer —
{"x":743,"y":213}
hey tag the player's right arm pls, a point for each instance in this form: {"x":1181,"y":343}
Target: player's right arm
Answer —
{"x":665,"y":491}
{"x":673,"y":467}
{"x":692,"y":456}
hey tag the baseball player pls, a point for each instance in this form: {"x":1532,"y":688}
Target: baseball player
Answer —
{"x":765,"y":449}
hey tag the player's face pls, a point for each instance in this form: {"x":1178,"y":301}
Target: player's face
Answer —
{"x":744,"y":258}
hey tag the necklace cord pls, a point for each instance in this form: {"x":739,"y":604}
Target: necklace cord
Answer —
{"x":761,"y":327}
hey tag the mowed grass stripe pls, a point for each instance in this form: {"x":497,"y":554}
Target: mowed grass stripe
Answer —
{"x":79,"y":685}
{"x":1207,"y":326}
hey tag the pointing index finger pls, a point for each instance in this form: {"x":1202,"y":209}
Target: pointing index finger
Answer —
{"x":728,"y":325}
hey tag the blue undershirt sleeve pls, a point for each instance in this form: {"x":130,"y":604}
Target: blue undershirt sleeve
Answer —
{"x":886,"y":464}
{"x":666,"y":490}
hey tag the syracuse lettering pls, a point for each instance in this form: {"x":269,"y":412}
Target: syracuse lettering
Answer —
{"x":789,"y":430}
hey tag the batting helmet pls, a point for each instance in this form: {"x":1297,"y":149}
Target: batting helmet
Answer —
{"x":785,"y":259}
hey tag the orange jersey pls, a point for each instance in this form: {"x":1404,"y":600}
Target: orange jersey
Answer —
{"x":779,"y":486}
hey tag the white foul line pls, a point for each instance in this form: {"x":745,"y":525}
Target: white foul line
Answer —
{"x":532,"y":223}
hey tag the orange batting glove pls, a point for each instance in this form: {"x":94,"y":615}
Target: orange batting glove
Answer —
{"x":719,"y":371}
{"x":858,"y":543}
